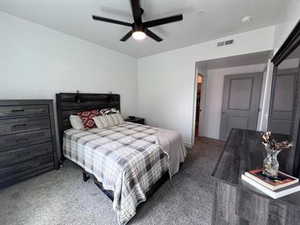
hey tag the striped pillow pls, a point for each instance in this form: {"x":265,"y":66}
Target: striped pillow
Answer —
{"x":101,"y":121}
{"x":108,"y":111}
{"x":108,"y":120}
{"x":117,"y":118}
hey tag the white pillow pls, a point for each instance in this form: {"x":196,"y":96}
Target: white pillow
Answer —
{"x":76,"y":122}
{"x":108,"y":120}
{"x":101,"y":121}
{"x":117,"y":118}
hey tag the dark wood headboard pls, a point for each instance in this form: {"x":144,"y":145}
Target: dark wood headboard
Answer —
{"x":71,"y":103}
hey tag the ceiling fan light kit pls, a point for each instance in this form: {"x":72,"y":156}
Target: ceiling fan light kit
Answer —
{"x":139,"y":29}
{"x":138,"y":35}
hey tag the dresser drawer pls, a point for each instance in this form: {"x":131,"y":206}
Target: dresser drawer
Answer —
{"x":12,"y":170}
{"x":12,"y":126}
{"x":17,"y":177}
{"x":23,"y":110}
{"x":24,"y":139}
{"x":24,"y":154}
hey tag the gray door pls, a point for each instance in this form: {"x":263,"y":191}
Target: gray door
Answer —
{"x":282,"y":102}
{"x":241,"y":96}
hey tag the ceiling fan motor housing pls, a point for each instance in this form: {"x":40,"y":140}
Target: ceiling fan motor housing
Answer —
{"x":136,"y":27}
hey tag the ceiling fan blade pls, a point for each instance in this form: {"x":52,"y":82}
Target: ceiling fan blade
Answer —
{"x":152,"y":35}
{"x":136,"y":11}
{"x":127,"y":36}
{"x":111,"y":21}
{"x":162,"y":21}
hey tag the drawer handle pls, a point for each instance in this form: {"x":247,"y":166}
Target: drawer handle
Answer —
{"x":17,"y":110}
{"x":20,"y":125}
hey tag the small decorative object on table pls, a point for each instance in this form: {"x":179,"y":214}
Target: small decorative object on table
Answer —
{"x":273,"y":148}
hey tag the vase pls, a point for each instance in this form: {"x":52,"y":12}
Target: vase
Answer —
{"x":271,"y":164}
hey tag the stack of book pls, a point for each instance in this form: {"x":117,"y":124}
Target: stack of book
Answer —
{"x":281,"y":186}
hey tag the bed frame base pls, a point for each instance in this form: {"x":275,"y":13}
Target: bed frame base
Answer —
{"x":110,"y":194}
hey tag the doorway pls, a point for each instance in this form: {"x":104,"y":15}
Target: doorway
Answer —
{"x":200,"y":80}
{"x":208,"y":117}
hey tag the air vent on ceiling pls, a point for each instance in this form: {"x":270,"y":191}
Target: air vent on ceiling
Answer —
{"x":223,"y":43}
{"x":229,"y":42}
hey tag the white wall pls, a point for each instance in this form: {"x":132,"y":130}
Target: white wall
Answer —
{"x":291,"y":15}
{"x":214,"y":95}
{"x":37,"y":62}
{"x":166,"y":89}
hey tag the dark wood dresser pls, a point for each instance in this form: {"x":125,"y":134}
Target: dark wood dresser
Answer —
{"x":236,"y":202}
{"x":28,"y":144}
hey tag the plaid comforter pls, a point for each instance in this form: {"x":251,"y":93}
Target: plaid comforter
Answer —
{"x":125,"y":159}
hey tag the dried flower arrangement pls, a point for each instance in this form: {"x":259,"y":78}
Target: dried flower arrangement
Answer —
{"x":270,"y":142}
{"x":273,"y":148}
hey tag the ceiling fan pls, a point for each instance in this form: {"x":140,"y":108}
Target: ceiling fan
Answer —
{"x":139,"y":29}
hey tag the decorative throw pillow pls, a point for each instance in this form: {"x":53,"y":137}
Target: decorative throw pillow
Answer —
{"x":108,"y":111}
{"x":108,"y":120}
{"x":76,"y":122}
{"x":101,"y":121}
{"x":117,"y":118}
{"x":87,"y":118}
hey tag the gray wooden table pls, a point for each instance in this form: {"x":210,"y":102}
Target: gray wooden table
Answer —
{"x":237,"y":203}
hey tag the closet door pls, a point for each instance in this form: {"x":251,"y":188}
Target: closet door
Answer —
{"x":282,"y":102}
{"x":241,"y":97}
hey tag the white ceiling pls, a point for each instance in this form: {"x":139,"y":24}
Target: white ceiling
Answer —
{"x":203,"y":20}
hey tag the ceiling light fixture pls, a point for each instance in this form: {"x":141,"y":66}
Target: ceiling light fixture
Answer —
{"x":138,"y":35}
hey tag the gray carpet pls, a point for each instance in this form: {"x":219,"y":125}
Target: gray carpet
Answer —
{"x":61,"y":197}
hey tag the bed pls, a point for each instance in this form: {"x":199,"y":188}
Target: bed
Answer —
{"x":128,"y":161}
